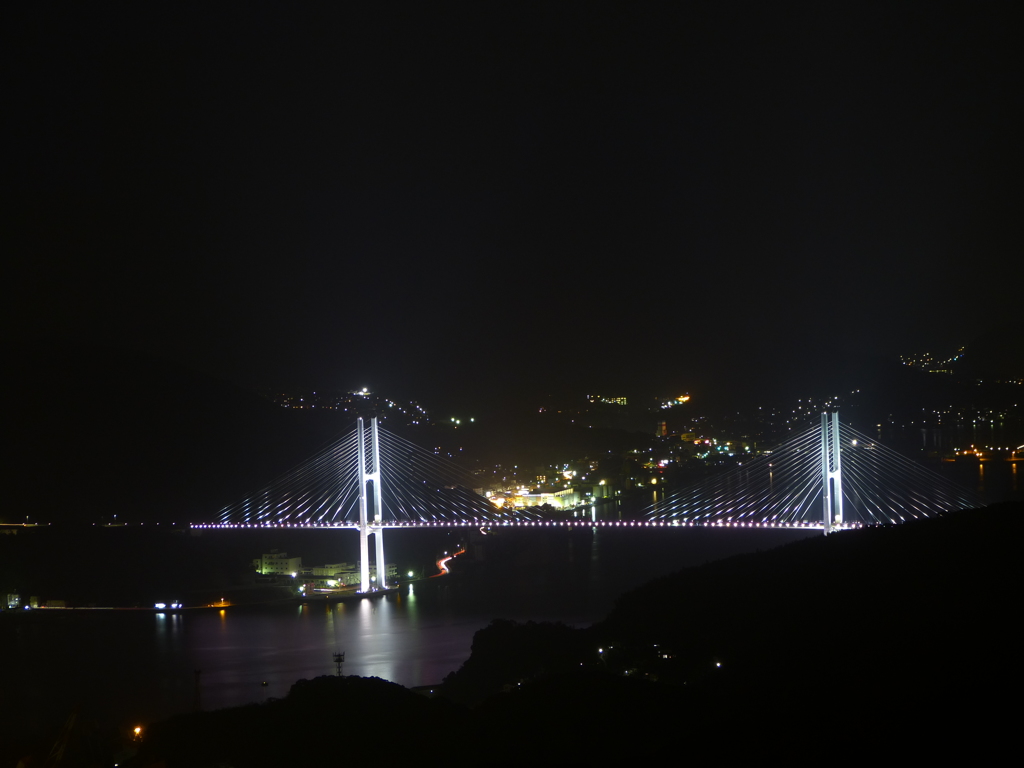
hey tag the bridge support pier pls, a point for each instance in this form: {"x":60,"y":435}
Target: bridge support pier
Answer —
{"x":831,"y":472}
{"x":365,"y":527}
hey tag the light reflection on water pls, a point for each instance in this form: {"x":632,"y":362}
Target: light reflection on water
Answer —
{"x":384,"y":637}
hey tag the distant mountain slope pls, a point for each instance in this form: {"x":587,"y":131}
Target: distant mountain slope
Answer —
{"x":94,"y":433}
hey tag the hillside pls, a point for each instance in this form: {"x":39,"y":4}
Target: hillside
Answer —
{"x":100,"y":432}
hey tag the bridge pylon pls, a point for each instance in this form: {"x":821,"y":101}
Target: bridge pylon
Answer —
{"x":366,"y":528}
{"x":831,"y":472}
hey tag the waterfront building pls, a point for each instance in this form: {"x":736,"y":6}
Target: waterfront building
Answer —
{"x":277,"y":563}
{"x":342,"y":575}
{"x":327,"y":576}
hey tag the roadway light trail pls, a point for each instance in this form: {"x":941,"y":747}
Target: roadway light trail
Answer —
{"x":442,"y":564}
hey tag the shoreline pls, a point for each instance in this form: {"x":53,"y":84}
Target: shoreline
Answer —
{"x":299,"y":600}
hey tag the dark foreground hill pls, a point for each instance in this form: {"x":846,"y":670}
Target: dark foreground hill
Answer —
{"x":882,"y":641}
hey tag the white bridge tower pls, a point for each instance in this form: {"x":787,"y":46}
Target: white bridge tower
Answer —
{"x":365,"y":526}
{"x":831,"y":472}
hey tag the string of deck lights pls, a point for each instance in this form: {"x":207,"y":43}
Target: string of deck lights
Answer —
{"x":488,"y":524}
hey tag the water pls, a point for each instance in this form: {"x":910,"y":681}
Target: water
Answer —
{"x":130,"y":667}
{"x":994,"y":481}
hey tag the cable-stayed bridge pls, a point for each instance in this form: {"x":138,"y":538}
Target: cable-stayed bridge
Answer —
{"x":832,"y":475}
{"x":407,"y":483}
{"x":827,"y":478}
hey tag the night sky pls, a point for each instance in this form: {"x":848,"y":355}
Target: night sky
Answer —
{"x":486,"y":200}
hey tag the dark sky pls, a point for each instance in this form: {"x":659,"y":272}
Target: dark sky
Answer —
{"x":490,"y":198}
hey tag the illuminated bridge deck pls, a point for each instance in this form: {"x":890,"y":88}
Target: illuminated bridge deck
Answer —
{"x":514,"y":524}
{"x":824,"y":478}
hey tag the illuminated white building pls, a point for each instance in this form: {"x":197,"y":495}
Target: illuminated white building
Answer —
{"x":277,"y":563}
{"x":343,"y":575}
